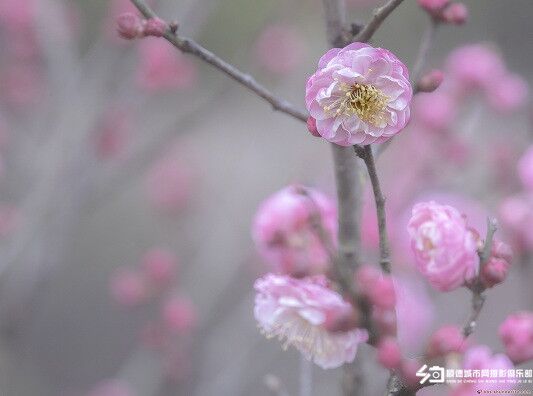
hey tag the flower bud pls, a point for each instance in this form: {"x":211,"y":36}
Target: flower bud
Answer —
{"x":455,"y":14}
{"x":389,"y":354}
{"x":155,"y":27}
{"x":129,"y":26}
{"x":430,"y":81}
{"x":494,"y":272}
{"x":516,"y":333}
{"x":434,"y":7}
{"x":446,"y":340}
{"x":383,"y":295}
{"x":311,"y":126}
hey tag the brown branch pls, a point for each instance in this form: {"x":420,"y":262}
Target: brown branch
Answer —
{"x":189,"y":46}
{"x":366,"y":154}
{"x":423,"y":50}
{"x":379,"y":15}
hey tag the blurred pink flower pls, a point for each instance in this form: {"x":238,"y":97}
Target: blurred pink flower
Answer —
{"x":295,"y":311}
{"x":9,"y":219}
{"x":476,"y":65}
{"x":435,"y":111}
{"x":415,"y":313}
{"x":434,"y":7}
{"x":179,"y":315}
{"x":159,"y":266}
{"x":112,"y":387}
{"x":113,"y":132}
{"x":516,"y":334}
{"x":21,"y":84}
{"x":445,"y":249}
{"x":169,"y":183}
{"x":430,"y":81}
{"x":516,"y":215}
{"x":280,"y":49}
{"x":128,"y":287}
{"x":163,"y":68}
{"x":359,"y":95}
{"x":447,"y":339}
{"x":389,"y":354}
{"x":525,"y":169}
{"x":480,"y":357}
{"x":18,"y":15}
{"x":455,"y":13}
{"x":284,"y":233}
{"x":507,"y":93}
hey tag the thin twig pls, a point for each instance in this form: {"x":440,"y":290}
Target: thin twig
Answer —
{"x":423,"y":50}
{"x":379,"y":15}
{"x":189,"y":46}
{"x":478,"y":298}
{"x":366,"y":154}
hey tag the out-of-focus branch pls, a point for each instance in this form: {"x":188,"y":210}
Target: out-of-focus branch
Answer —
{"x":378,"y":16}
{"x":423,"y":50}
{"x":366,"y":154}
{"x":189,"y":46}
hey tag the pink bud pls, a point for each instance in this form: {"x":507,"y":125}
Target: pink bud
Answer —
{"x":129,"y":26}
{"x":159,"y":266}
{"x":408,"y":371}
{"x":447,"y":339}
{"x":179,"y":315}
{"x":502,"y":250}
{"x":434,"y":7}
{"x":128,"y":287}
{"x":341,"y":320}
{"x":311,"y":126}
{"x":366,"y":277}
{"x":456,"y":14}
{"x":494,"y":272}
{"x":430,"y":81}
{"x":382,"y":294}
{"x":389,"y":354}
{"x":155,"y":27}
{"x":385,"y":320}
{"x":516,"y":333}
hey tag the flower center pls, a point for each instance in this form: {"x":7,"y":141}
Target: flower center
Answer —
{"x":363,"y":100}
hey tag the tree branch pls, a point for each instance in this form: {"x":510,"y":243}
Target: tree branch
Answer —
{"x":366,"y":154}
{"x":189,"y":46}
{"x":423,"y":51}
{"x":379,"y":15}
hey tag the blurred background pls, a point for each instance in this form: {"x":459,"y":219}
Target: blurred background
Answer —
{"x":130,"y":175}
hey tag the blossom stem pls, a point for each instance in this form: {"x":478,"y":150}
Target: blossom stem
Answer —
{"x":306,"y":376}
{"x":366,"y":154}
{"x":189,"y":46}
{"x":423,"y":50}
{"x":378,"y":16}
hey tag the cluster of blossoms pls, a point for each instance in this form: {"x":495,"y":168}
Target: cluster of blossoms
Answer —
{"x":154,"y":280}
{"x":445,"y":11}
{"x":297,"y":304}
{"x":359,"y":95}
{"x":446,"y":250}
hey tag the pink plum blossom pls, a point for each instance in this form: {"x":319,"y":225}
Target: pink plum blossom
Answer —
{"x":18,"y":15}
{"x":508,"y":93}
{"x":434,"y":7}
{"x":436,"y":111}
{"x":128,"y":287}
{"x":480,"y":357}
{"x":359,"y":95}
{"x":516,"y":333}
{"x":516,"y":214}
{"x":447,"y":339}
{"x":179,"y":315}
{"x":476,"y":66}
{"x":162,"y":68}
{"x":445,"y":249}
{"x":455,"y":13}
{"x":525,"y":169}
{"x":284,"y":233}
{"x":389,"y":354}
{"x":295,"y":311}
{"x":159,"y":266}
{"x":279,"y":49}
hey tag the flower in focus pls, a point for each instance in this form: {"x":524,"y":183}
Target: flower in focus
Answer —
{"x":445,"y":249}
{"x":162,"y":68}
{"x":285,"y":234}
{"x":516,"y":333}
{"x":359,"y":95}
{"x":296,"y":310}
{"x":279,"y":49}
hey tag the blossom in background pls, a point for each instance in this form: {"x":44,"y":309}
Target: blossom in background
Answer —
{"x":480,"y":357}
{"x":285,"y":235}
{"x":112,"y":387}
{"x":525,"y":169}
{"x":163,"y":68}
{"x":359,"y":95}
{"x":445,"y":248}
{"x":113,"y":132}
{"x":516,"y":214}
{"x":447,"y":339}
{"x":128,"y":287}
{"x":179,"y":315}
{"x":280,"y":49}
{"x":296,"y":310}
{"x":159,"y":266}
{"x":516,"y":334}
{"x":9,"y":219}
